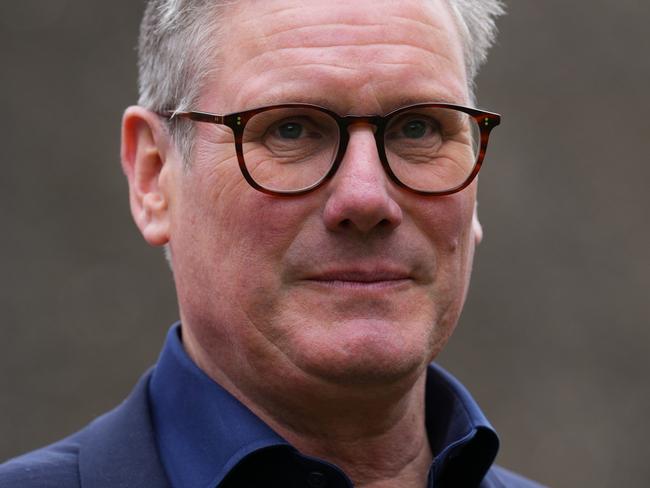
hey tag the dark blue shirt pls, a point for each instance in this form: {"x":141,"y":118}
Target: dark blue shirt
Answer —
{"x":207,"y":438}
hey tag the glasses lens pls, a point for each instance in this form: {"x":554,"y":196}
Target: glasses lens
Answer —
{"x":289,"y":149}
{"x":432,"y":149}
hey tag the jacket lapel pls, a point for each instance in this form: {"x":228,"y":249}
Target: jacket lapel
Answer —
{"x":119,"y":448}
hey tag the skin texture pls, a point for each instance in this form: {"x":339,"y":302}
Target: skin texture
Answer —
{"x":319,"y":312}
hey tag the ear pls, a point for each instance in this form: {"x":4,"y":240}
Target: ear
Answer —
{"x":145,"y":145}
{"x":477,"y":228}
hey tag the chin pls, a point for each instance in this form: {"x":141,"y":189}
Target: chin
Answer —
{"x":365,"y":352}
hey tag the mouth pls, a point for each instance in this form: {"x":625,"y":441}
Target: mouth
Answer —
{"x":359,"y":279}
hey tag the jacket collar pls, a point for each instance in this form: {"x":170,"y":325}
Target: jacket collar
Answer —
{"x":119,"y":448}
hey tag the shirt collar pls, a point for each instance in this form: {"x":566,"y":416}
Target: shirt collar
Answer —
{"x":203,"y":432}
{"x":463,"y":442}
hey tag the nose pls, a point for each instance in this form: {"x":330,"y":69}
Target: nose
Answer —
{"x":359,"y":197}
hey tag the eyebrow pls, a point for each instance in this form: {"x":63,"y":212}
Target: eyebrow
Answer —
{"x":327,"y":102}
{"x":410,"y":100}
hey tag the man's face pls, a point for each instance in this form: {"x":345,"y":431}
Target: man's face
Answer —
{"x":359,"y":281}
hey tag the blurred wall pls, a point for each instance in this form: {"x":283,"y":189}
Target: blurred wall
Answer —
{"x":554,"y":341}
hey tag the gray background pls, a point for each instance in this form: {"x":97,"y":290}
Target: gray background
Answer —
{"x":554,"y":340}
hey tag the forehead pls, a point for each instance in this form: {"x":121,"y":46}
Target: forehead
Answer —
{"x":363,"y":56}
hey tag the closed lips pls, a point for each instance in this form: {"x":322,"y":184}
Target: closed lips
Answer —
{"x":359,"y":276}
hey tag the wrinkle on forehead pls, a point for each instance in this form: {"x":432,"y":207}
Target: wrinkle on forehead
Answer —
{"x":288,"y":42}
{"x":311,"y":24}
{"x":348,"y":59}
{"x":338,"y":11}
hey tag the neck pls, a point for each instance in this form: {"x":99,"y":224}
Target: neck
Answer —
{"x":377,"y":438}
{"x":375,"y":433}
{"x":377,"y":444}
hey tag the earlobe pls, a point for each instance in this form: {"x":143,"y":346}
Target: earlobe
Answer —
{"x":144,"y":152}
{"x":477,"y":228}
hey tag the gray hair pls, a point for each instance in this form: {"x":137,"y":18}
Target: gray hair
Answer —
{"x":178,"y":41}
{"x":476,"y":22}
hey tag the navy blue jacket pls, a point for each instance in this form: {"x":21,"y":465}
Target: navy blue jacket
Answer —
{"x":117,"y":449}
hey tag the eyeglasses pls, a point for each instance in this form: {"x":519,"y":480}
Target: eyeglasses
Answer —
{"x":292,"y":149}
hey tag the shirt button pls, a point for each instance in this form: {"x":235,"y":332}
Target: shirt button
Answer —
{"x":316,"y":479}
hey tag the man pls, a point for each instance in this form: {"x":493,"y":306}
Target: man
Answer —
{"x":321,"y":237}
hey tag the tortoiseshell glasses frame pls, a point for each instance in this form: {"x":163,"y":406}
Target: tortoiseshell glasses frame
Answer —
{"x":237,"y":122}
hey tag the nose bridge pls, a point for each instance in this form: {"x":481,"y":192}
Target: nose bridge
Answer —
{"x":361,"y":159}
{"x":353,"y":128}
{"x":360,"y":193}
{"x":354,"y":123}
{"x":356,"y":129}
{"x":351,"y":120}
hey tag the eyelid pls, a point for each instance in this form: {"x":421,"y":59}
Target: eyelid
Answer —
{"x":404,"y":118}
{"x":306,"y":125}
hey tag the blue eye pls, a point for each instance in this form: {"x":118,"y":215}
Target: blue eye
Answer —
{"x":290,"y":130}
{"x":414,"y":129}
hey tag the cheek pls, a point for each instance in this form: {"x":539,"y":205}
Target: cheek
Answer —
{"x":261,"y":229}
{"x":245,"y":223}
{"x":228,"y":245}
{"x":447,"y":224}
{"x":236,"y":233}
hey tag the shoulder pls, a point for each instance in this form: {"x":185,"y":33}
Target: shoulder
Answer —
{"x":505,"y":478}
{"x":55,"y":466}
{"x":116,"y":449}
